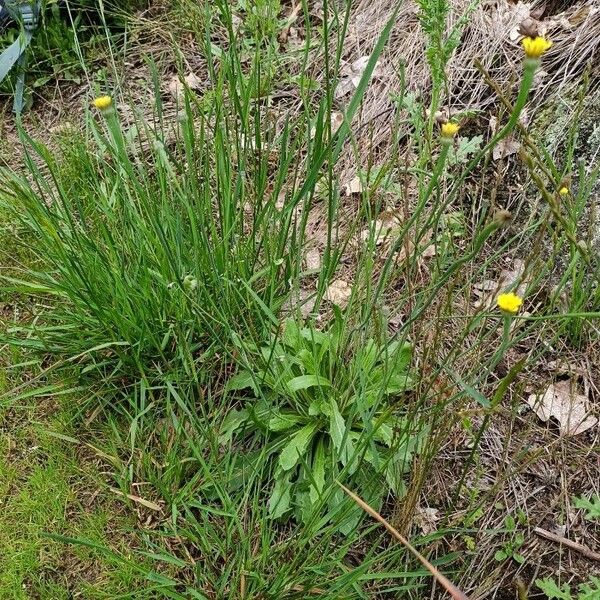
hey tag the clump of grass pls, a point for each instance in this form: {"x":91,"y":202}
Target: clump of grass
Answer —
{"x":154,"y":261}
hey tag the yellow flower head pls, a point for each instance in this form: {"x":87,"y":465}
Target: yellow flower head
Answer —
{"x":564,"y":190}
{"x":103,"y":102}
{"x":449,"y":129}
{"x":535,"y":46}
{"x":509,"y":303}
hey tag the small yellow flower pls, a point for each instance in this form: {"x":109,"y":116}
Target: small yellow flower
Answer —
{"x":509,"y":303}
{"x":103,"y":102}
{"x":535,"y":46}
{"x":449,"y":129}
{"x":564,"y":190}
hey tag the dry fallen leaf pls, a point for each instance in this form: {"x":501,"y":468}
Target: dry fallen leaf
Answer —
{"x":430,"y":251}
{"x":312,"y":259}
{"x":488,"y":289}
{"x":506,"y":147}
{"x":426,"y":519}
{"x":337,"y":118}
{"x":562,"y":401}
{"x":383,"y":227}
{"x":236,"y":22}
{"x":487,"y":285}
{"x":280,"y":202}
{"x":294,"y":39}
{"x":177,"y":88}
{"x":338,"y":292}
{"x":351,"y":76}
{"x":354,"y":186}
{"x":193,"y":81}
{"x":510,"y":277}
{"x":516,"y":14}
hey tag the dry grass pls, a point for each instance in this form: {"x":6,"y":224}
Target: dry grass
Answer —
{"x":491,"y":37}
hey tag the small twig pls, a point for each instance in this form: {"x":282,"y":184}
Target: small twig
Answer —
{"x":313,"y":590}
{"x":554,"y":537}
{"x":441,"y":579}
{"x":134,"y":498}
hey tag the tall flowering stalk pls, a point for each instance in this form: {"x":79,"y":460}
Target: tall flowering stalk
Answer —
{"x":106,"y":107}
{"x":534,"y":47}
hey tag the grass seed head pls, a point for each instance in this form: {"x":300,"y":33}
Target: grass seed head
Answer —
{"x":502,"y":216}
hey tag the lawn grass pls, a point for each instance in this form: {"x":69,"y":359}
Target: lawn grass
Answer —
{"x":47,"y":489}
{"x":161,"y":290}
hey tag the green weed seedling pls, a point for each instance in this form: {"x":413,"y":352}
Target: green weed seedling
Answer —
{"x":511,"y":548}
{"x":586,"y":591}
{"x":591,"y":506}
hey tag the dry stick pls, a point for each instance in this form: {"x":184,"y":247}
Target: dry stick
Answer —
{"x":441,"y":579}
{"x":568,"y":543}
{"x":242,"y":586}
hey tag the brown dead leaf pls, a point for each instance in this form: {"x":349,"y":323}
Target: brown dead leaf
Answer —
{"x":302,"y":300}
{"x":383,"y":227}
{"x":511,"y":277}
{"x":426,"y":249}
{"x":280,"y":203}
{"x":338,"y":292}
{"x":177,"y":88}
{"x":487,"y":285}
{"x":337,"y":118}
{"x":562,"y":401}
{"x":430,"y":251}
{"x":426,"y":519}
{"x":294,"y":39}
{"x":312,"y":259}
{"x":506,"y":147}
{"x":354,"y":186}
{"x":487,"y":289}
{"x":516,"y":14}
{"x":351,"y":75}
{"x":236,"y":22}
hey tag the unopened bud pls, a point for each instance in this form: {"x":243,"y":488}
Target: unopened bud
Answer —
{"x":502,"y":217}
{"x":190,"y":283}
{"x":529,"y":28}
